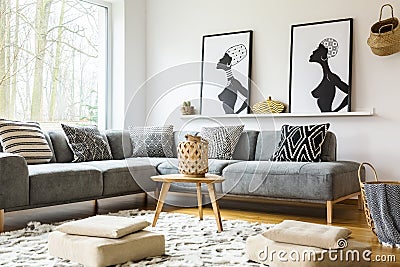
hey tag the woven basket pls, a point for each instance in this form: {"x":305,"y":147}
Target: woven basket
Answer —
{"x":384,"y":38}
{"x":193,"y":156}
{"x":367,"y":211}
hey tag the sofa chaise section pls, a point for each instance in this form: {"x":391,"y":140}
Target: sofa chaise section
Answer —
{"x":328,"y":181}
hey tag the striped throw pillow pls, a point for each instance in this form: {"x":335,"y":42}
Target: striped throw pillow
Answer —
{"x":25,"y":139}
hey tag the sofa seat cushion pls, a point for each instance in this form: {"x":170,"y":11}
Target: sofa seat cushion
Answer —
{"x":215,"y":166}
{"x":125,"y":176}
{"x":319,"y":181}
{"x":63,"y":182}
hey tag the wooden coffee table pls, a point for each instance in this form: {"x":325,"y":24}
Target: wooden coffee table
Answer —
{"x":209,"y":179}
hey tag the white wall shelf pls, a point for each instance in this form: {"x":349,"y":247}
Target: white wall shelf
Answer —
{"x":286,"y":115}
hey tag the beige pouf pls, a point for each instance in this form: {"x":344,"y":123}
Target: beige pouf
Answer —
{"x":258,"y":246}
{"x":99,"y":251}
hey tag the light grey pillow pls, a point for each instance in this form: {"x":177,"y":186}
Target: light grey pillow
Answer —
{"x":308,"y":234}
{"x":152,"y":141}
{"x":222,"y":140}
{"x":87,"y":144}
{"x":104,"y":226}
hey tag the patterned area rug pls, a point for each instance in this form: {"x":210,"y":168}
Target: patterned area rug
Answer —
{"x":189,"y":242}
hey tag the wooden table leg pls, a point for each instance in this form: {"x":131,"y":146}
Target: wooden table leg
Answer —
{"x":95,"y":207}
{"x":160,"y":203}
{"x":329,"y":211}
{"x":199,"y":201}
{"x":1,"y":221}
{"x":214,"y":203}
{"x":360,"y":203}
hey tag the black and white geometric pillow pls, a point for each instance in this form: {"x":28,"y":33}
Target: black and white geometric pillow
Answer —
{"x":87,"y":144}
{"x":25,"y":139}
{"x":222,"y":140}
{"x":301,"y":143}
{"x":152,"y":141}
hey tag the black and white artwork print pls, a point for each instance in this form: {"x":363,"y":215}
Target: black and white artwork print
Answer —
{"x":226,"y":70}
{"x":320,"y":69}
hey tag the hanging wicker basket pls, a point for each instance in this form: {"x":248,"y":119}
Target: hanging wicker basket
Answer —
{"x":193,"y":156}
{"x":384,"y":38}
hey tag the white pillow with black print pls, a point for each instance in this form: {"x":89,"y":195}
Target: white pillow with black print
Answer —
{"x":152,"y":141}
{"x":87,"y":144}
{"x":222,"y":140}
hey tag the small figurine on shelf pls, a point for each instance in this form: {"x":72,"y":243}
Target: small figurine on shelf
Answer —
{"x":187,"y":108}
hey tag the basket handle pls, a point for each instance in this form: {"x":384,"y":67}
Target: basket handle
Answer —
{"x":391,"y":24}
{"x":391,"y":7}
{"x":360,"y":168}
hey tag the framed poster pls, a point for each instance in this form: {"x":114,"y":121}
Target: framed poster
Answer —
{"x":225,"y":73}
{"x":320,"y":67}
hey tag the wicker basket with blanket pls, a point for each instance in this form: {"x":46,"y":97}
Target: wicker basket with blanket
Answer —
{"x":382,"y":207}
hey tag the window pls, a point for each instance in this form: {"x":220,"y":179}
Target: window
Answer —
{"x":53,"y":61}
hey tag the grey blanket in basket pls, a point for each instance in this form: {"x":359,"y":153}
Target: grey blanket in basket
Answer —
{"x":384,"y":203}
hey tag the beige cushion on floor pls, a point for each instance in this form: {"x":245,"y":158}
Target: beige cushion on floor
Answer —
{"x":255,"y":244}
{"x":99,"y":252}
{"x":104,"y":226}
{"x":307,"y":234}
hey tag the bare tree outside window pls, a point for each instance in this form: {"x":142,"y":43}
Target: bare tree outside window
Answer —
{"x":52,"y":60}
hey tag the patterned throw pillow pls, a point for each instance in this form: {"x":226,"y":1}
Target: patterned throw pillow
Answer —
{"x":25,"y":139}
{"x":222,"y":141}
{"x":301,"y":143}
{"x":152,"y":141}
{"x":87,"y":144}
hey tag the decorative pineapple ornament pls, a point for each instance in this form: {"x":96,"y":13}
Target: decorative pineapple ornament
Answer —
{"x":268,"y":106}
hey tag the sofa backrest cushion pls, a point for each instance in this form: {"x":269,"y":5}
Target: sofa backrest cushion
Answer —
{"x":120,"y":143}
{"x":61,"y":148}
{"x":329,"y":146}
{"x":246,"y":146}
{"x":53,"y":159}
{"x":268,"y":141}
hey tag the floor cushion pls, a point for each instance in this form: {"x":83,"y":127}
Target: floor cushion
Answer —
{"x":101,"y":252}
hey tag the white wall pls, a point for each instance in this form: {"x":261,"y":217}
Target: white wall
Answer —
{"x":129,"y":61}
{"x":174,"y":31}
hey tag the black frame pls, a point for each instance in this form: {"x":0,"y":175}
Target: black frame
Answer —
{"x":249,"y":67}
{"x":350,"y":56}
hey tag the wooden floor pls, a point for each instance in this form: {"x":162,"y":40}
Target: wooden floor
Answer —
{"x":346,"y":215}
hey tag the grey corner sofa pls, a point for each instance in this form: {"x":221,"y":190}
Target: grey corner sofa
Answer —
{"x":249,"y":173}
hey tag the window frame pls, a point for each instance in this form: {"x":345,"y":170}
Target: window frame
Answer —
{"x":107,"y":112}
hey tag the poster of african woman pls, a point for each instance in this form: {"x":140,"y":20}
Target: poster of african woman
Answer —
{"x":320,"y":67}
{"x":225,"y":77}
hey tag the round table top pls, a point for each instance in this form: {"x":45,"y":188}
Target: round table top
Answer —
{"x":181,"y":178}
